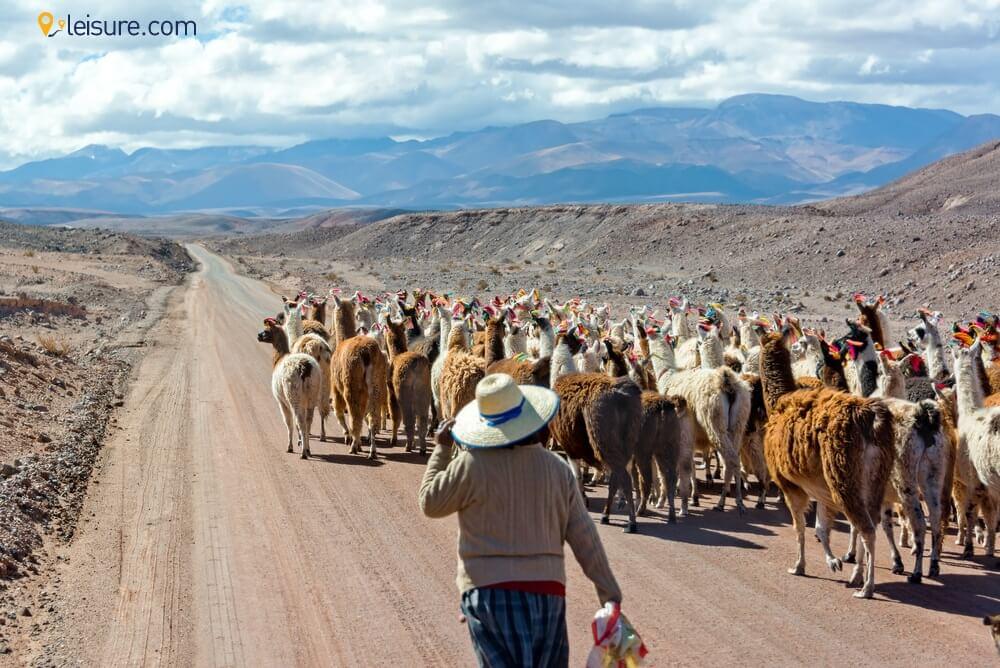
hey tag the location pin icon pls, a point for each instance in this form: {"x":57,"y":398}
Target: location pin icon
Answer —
{"x":45,"y":22}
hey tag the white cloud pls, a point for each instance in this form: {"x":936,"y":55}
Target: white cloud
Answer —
{"x":279,"y":73}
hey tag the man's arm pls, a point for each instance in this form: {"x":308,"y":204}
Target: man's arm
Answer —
{"x":447,"y":486}
{"x":583,"y":539}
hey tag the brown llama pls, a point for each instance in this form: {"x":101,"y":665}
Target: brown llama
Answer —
{"x":666,"y":437}
{"x":830,"y":446}
{"x":358,"y":378}
{"x":598,"y":423}
{"x":460,"y":374}
{"x":409,"y":385}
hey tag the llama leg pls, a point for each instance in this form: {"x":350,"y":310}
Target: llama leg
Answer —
{"x":286,"y":414}
{"x":936,"y":524}
{"x":612,"y":489}
{"x":684,"y":476}
{"x":409,"y":424}
{"x":868,"y":541}
{"x":718,"y":466}
{"x":721,"y":504}
{"x":357,"y":423}
{"x":913,"y":515}
{"x":302,"y":416}
{"x":851,"y":555}
{"x":858,"y":559}
{"x":373,"y":421}
{"x":824,"y":520}
{"x":970,"y":519}
{"x":340,"y":409}
{"x":797,"y":502}
{"x":897,"y":561}
{"x":626,"y":483}
{"x":394,"y":413}
{"x":643,"y":470}
{"x":694,"y":483}
{"x":765,"y":482}
{"x":990,"y":516}
{"x":422,"y":432}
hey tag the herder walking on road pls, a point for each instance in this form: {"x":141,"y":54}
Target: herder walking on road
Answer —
{"x":517,"y":503}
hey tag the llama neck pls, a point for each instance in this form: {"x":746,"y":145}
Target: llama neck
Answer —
{"x":395,"y":343}
{"x":891,"y":384}
{"x":293,"y":324}
{"x":546,"y":341}
{"x":661,"y":354}
{"x":456,"y":339}
{"x":514,"y":344}
{"x":444,"y":330}
{"x":343,"y":322}
{"x":679,"y":327}
{"x":775,"y":371}
{"x":494,"y":342}
{"x":319,"y":313}
{"x":968,"y":390}
{"x":562,"y":362}
{"x":280,"y":344}
{"x":712,"y":353}
{"x":936,"y":368}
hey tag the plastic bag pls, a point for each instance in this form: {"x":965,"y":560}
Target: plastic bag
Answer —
{"x":616,"y":644}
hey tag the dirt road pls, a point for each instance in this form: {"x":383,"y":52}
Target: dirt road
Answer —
{"x":204,"y":543}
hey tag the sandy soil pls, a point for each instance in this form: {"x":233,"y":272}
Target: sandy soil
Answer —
{"x":207,"y":544}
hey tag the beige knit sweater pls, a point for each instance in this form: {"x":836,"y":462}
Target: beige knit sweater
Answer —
{"x":516,"y":507}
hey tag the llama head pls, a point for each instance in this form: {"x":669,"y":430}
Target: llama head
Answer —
{"x":890,"y":381}
{"x":926,"y":333}
{"x":269,"y":333}
{"x":912,"y":365}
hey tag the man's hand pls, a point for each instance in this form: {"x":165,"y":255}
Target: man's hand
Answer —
{"x":443,"y":435}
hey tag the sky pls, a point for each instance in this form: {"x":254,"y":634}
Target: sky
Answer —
{"x":279,"y":72}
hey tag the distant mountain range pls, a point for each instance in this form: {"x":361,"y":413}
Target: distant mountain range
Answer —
{"x":750,"y":148}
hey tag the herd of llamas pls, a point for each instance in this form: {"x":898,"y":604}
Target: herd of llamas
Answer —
{"x":867,"y":426}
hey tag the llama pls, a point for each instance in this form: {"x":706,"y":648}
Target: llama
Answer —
{"x":812,"y":360}
{"x":874,"y":318}
{"x":523,"y":370}
{"x":598,"y":423}
{"x":444,"y":333}
{"x":319,"y":350}
{"x":461,"y":372}
{"x":666,"y":437}
{"x":919,"y":469}
{"x":409,"y":385}
{"x":720,"y":402}
{"x":564,"y":352}
{"x":752,"y":450}
{"x":293,"y":318}
{"x":830,"y":446}
{"x":927,"y":339}
{"x":295,"y":383}
{"x":358,"y":378}
{"x":862,"y":373}
{"x":978,"y":441}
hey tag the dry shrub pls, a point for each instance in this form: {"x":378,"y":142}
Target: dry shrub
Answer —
{"x":53,"y":346}
{"x":29,"y":253}
{"x":11,"y":305}
{"x":34,"y":269}
{"x":482,"y":284}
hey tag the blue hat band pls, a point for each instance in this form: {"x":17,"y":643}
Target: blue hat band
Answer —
{"x":498,"y":419}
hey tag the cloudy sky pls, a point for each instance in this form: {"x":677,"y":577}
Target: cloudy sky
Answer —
{"x":278,"y":73}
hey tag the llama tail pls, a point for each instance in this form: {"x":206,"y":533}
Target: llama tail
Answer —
{"x":928,"y":422}
{"x":304,"y":368}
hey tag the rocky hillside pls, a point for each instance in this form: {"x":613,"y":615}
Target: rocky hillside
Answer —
{"x":944,"y":256}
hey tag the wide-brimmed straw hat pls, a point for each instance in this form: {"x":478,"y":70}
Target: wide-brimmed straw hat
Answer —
{"x":503,"y":413}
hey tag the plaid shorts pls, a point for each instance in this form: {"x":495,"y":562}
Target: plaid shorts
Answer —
{"x":511,"y":629}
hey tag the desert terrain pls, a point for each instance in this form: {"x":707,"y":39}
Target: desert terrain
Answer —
{"x":160,"y":522}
